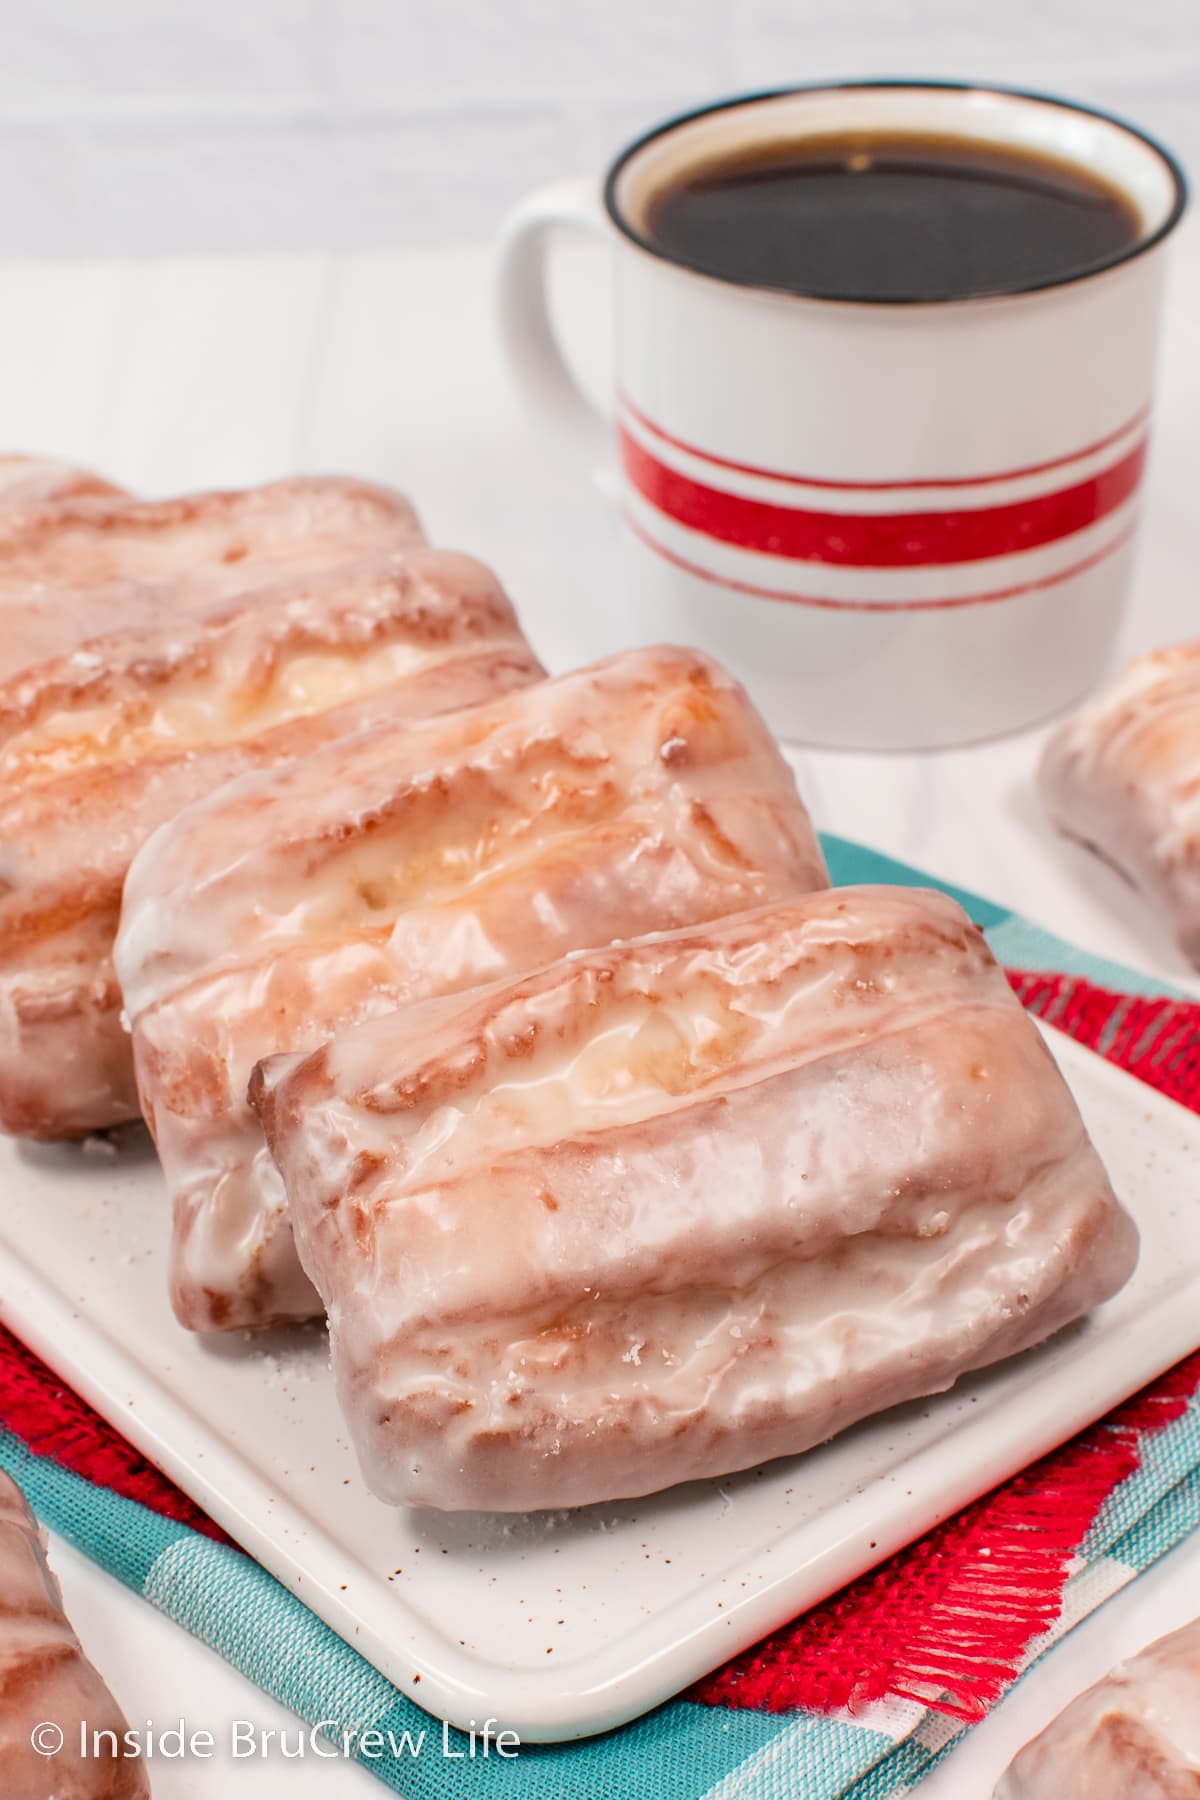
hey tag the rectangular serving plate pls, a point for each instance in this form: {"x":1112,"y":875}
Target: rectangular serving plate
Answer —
{"x":563,"y":1624}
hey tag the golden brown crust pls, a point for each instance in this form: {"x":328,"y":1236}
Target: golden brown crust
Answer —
{"x":671,"y":1207}
{"x":101,"y":746}
{"x":1123,"y":777}
{"x":76,"y":568}
{"x":641,"y":794}
{"x":1134,"y":1736}
{"x":35,"y":480}
{"x":89,"y":538}
{"x":45,"y":1677}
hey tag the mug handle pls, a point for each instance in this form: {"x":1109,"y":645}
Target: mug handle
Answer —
{"x":525,"y":323}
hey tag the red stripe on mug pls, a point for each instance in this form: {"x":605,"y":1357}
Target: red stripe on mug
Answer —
{"x":830,"y":603}
{"x":883,"y":487}
{"x":880,"y":540}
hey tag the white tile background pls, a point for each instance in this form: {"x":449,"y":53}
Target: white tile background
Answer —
{"x":135,"y":126}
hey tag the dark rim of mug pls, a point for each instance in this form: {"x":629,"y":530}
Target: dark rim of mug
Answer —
{"x":1138,"y":248}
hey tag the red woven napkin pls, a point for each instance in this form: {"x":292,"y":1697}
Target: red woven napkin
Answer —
{"x":947,"y":1620}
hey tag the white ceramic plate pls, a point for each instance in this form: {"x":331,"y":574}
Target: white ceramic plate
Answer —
{"x":564,"y":1624}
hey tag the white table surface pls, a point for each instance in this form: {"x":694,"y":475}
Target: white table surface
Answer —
{"x":190,"y":373}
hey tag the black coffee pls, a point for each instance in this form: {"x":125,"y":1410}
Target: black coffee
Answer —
{"x":900,"y":217}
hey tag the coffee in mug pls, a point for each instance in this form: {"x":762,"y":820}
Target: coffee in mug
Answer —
{"x":884,"y":369}
{"x":896,"y":217}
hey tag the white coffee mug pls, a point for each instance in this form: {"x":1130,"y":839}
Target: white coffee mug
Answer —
{"x":902,"y":524}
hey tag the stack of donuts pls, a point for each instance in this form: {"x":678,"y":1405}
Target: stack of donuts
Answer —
{"x":508,"y":1020}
